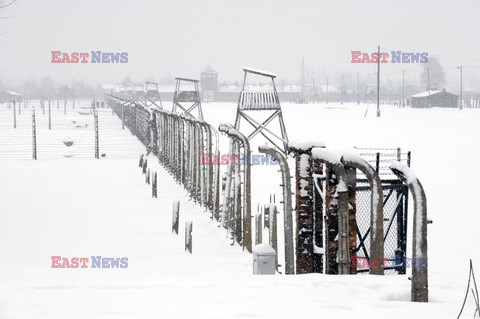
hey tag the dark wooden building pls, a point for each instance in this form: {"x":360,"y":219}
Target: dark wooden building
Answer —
{"x":434,"y":99}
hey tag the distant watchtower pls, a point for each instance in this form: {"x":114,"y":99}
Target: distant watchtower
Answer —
{"x":251,"y":101}
{"x":187,"y":99}
{"x":208,"y":84}
{"x":152,"y":95}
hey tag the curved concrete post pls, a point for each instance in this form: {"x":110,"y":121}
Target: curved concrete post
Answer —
{"x":327,"y":157}
{"x":226,"y":198}
{"x":419,"y":244}
{"x":376,"y":213}
{"x":247,"y":201}
{"x":287,"y":206}
{"x":216,"y":175}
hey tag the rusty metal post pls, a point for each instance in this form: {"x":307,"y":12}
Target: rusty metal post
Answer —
{"x":344,"y":261}
{"x":419,"y":292}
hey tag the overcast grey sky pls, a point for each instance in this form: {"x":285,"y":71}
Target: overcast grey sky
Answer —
{"x":184,"y":35}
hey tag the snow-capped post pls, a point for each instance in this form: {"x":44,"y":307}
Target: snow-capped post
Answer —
{"x":188,"y":236}
{"x":287,"y":206}
{"x":304,"y":208}
{"x":175,"y":216}
{"x":147,"y":177}
{"x":309,"y":213}
{"x":140,"y":162}
{"x":34,"y":136}
{"x":154,"y":185}
{"x":376,"y":214}
{"x":343,"y":253}
{"x":14,"y":116}
{"x":419,"y":291}
{"x":258,"y":228}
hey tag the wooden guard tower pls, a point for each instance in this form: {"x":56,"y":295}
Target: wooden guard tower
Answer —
{"x":152,"y":95}
{"x":250,"y":101}
{"x":187,"y":100}
{"x":139,"y":93}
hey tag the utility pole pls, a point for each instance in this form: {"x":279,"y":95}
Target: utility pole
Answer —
{"x":358,"y":88}
{"x":460,"y":106}
{"x":378,"y":84}
{"x":428,"y":79}
{"x":403,"y":88}
{"x":303,"y":78}
{"x":327,"y":89}
{"x":341,"y":92}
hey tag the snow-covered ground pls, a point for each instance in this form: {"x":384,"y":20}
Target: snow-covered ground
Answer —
{"x":82,"y":207}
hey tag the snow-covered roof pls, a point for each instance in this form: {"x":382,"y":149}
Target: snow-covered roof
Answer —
{"x":13,"y":93}
{"x":426,"y":93}
{"x":330,"y":88}
{"x":260,"y":72}
{"x":263,"y":249}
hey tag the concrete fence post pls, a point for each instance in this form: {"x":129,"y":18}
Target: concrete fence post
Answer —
{"x":188,"y":236}
{"x":175,"y":216}
{"x":287,"y":206}
{"x":419,"y":292}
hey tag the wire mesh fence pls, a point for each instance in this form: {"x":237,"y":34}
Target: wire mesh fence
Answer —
{"x":394,"y":222}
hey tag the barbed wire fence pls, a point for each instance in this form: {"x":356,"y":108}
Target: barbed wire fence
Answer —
{"x":79,"y":130}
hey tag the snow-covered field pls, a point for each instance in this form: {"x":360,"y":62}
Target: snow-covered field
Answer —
{"x":82,"y":207}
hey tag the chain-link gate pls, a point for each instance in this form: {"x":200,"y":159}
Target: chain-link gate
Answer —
{"x":395,"y":195}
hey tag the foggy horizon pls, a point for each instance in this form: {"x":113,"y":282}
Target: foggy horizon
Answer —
{"x":182,"y":38}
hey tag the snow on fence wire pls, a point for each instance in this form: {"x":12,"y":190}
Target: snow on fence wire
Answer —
{"x":83,"y":131}
{"x":178,"y":140}
{"x":381,"y":158}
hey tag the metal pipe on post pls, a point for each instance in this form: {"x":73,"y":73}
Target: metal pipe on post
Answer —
{"x":376,"y":213}
{"x":330,"y":159}
{"x":287,"y":206}
{"x":419,"y":292}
